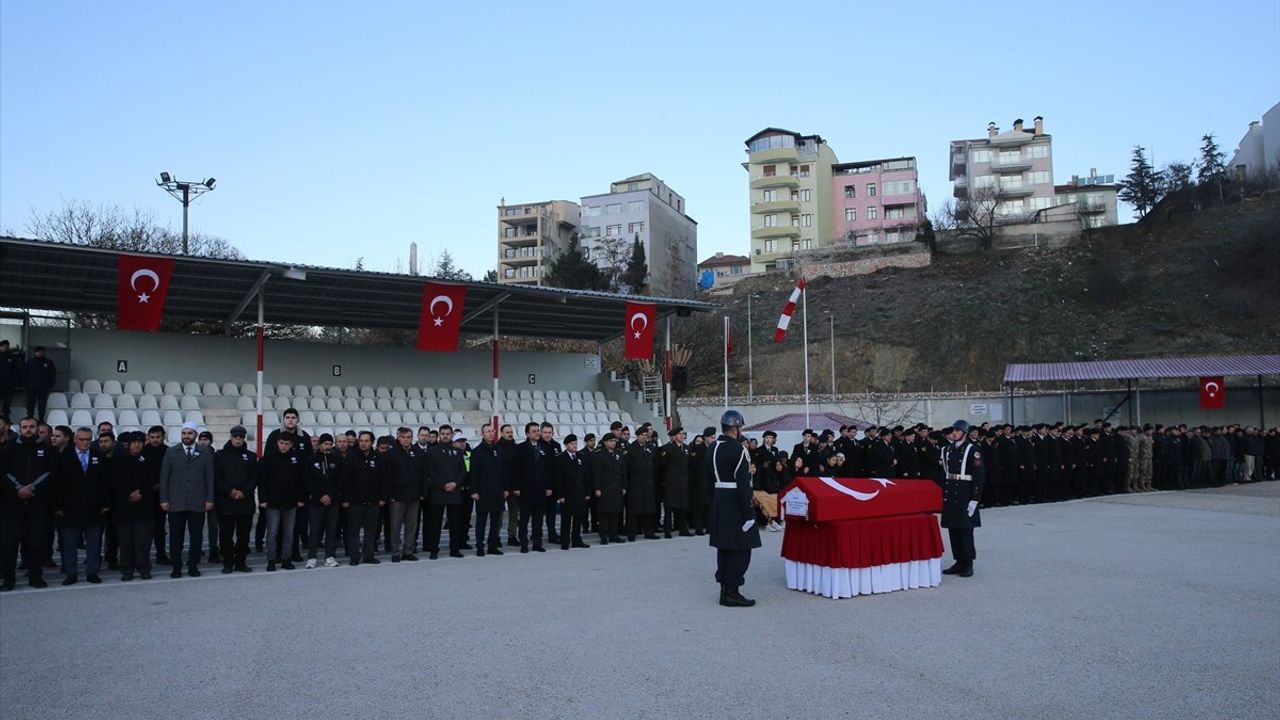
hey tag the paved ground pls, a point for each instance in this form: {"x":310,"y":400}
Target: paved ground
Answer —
{"x":1162,"y":605}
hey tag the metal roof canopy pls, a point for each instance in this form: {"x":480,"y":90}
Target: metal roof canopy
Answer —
{"x":35,"y":274}
{"x":1209,"y":366}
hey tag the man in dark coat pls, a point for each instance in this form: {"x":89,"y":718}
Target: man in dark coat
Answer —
{"x":1095,"y":467}
{"x":699,"y":488}
{"x":965,"y":473}
{"x":235,"y":480}
{"x":1026,"y":465}
{"x":155,"y":450}
{"x":9,"y":377}
{"x":446,"y":481}
{"x":641,"y":503}
{"x":363,"y":491}
{"x":82,"y":501}
{"x":133,"y":501}
{"x":507,"y":446}
{"x":405,"y":472}
{"x":320,"y":493}
{"x":573,"y":491}
{"x":733,"y":518}
{"x":673,"y":468}
{"x":533,"y":485}
{"x":27,"y":490}
{"x":490,"y":486}
{"x":42,"y":375}
{"x":609,"y":484}
{"x":881,"y":462}
{"x":280,"y":496}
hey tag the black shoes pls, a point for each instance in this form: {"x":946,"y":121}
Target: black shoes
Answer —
{"x":177,"y":573}
{"x":651,"y":536}
{"x":953,"y":570}
{"x":730,"y":597}
{"x":480,"y":552}
{"x":434,"y":555}
{"x":524,"y":549}
{"x":666,"y":535}
{"x":580,"y":544}
{"x":354,"y":561}
{"x":215,"y":556}
{"x":465,"y":546}
{"x":7,"y":584}
{"x":512,"y":542}
{"x":38,"y":583}
{"x":94,"y":579}
{"x":963,"y":569}
{"x":455,"y":553}
{"x":242,"y":567}
{"x":162,"y":559}
{"x":539,"y":548}
{"x":395,"y":558}
{"x":685,"y":533}
{"x":126,"y":577}
{"x":615,"y":539}
{"x":372,"y":561}
{"x":271,"y":567}
{"x":410,"y":557}
{"x":287,"y":564}
{"x":193,"y":571}
{"x":69,"y":580}
{"x":967,"y":570}
{"x":496,"y":551}
{"x":227,"y":569}
{"x":145,"y":575}
{"x":553,"y":539}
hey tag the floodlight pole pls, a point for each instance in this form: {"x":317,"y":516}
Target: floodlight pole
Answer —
{"x":184,"y":192}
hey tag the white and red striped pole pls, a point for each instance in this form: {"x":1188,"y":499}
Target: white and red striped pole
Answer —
{"x":784,"y":321}
{"x":495,"y":410}
{"x":261,"y":335}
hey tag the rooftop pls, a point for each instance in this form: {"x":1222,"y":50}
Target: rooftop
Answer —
{"x":1184,"y":367}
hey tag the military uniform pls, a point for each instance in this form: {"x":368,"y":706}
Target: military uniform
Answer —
{"x":673,"y":468}
{"x":609,"y":479}
{"x":1144,"y":462}
{"x":964,"y":474}
{"x":732,"y":518}
{"x":642,"y":503}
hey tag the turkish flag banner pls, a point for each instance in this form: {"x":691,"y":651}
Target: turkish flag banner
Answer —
{"x":1213,"y":393}
{"x":141,"y":286}
{"x":441,"y":318}
{"x":639,"y":331}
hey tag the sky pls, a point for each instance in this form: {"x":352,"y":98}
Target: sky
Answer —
{"x":345,"y":130}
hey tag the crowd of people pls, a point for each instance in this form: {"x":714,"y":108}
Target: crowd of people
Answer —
{"x":132,"y":502}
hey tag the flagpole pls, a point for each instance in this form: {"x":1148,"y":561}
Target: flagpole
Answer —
{"x":726,"y":363}
{"x":804,"y":313}
{"x":667,"y":372}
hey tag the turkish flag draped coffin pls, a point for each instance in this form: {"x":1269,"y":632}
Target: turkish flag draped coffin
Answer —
{"x":1213,"y":393}
{"x":441,"y":318}
{"x":639,"y":331}
{"x":828,"y":499}
{"x":142,"y":283}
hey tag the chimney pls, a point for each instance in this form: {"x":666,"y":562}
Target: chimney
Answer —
{"x":1253,"y":124}
{"x":1017,"y":125}
{"x":1039,"y":125}
{"x":413,"y":258}
{"x":992,"y":130}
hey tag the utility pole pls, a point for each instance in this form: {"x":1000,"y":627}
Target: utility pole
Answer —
{"x":184,"y":192}
{"x":750,"y":380}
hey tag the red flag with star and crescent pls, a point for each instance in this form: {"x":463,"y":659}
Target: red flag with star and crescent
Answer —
{"x":1213,"y":393}
{"x":142,"y":283}
{"x":639,"y":330}
{"x":441,"y":318}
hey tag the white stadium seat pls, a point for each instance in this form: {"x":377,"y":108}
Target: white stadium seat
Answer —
{"x":613,"y":406}
{"x":456,"y":419}
{"x":301,"y":391}
{"x":539,"y":406}
{"x":522,"y":418}
{"x":169,"y":402}
{"x":394,"y":418}
{"x":112,"y":387}
{"x":471,"y":394}
{"x":577,"y":418}
{"x":56,"y":417}
{"x":80,"y":418}
{"x":538,"y":395}
{"x":430,"y":404}
{"x":415,"y":404}
{"x":284,"y":391}
{"x":268,"y":389}
{"x":599,"y":396}
{"x":351,"y":404}
{"x":553,"y":406}
{"x":526,"y":395}
{"x":441,"y":394}
{"x":172,"y":417}
{"x":367,"y":404}
{"x":73,"y":385}
{"x":189,"y":402}
{"x":128,"y":418}
{"x":250,"y":389}
{"x":172,"y":387}
{"x":486,"y":405}
{"x":148,"y":402}
{"x":342,"y":418}
{"x":410,"y":419}
{"x":577,"y":406}
{"x":524,"y":405}
{"x":485,"y":394}
{"x":229,"y":389}
{"x":92,"y":387}
{"x":350,"y":392}
{"x":194,"y":416}
{"x":174,"y":436}
{"x":317,"y":391}
{"x":575,"y":395}
{"x":382,"y":392}
{"x":563,"y":396}
{"x":333,"y":392}
{"x":552,"y":418}
{"x":211,"y":389}
{"x":324,"y":417}
{"x":398,"y":392}
{"x":80,"y":400}
{"x":399,"y":404}
{"x":149,"y":418}
{"x":103,"y":402}
{"x":384,"y":404}
{"x":245,"y":403}
{"x":366,"y":391}
{"x":334,"y":403}
{"x":270,"y":419}
{"x":361,"y":418}
{"x":153,"y":387}
{"x":579,"y":431}
{"x":446,"y":405}
{"x":377,"y":418}
{"x":457,"y":394}
{"x":428,"y":393}
{"x":132,"y":387}
{"x":126,"y":401}
{"x":440,"y":418}
{"x":307,"y":418}
{"x":414,"y":392}
{"x":301,"y":403}
{"x":57,"y":400}
{"x":192,"y":388}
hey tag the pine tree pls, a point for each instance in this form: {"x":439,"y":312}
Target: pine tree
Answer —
{"x":1211,"y":159}
{"x":491,"y":276}
{"x":635,"y":278}
{"x":1141,"y":187}
{"x":573,"y":271}
{"x":446,"y":269}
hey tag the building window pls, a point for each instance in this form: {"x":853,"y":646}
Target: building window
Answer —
{"x":871,"y":189}
{"x":871,"y":212}
{"x":850,"y":215}
{"x":509,"y":232}
{"x":900,"y":187}
{"x":1010,"y":182}
{"x":850,"y":191}
{"x":735,"y":270}
{"x":770,"y":170}
{"x":635,"y":227}
{"x":873,"y":236}
{"x":1041,"y":203}
{"x":795,"y":245}
{"x":613,"y":209}
{"x":633,"y":186}
{"x":635,"y":206}
{"x":1010,"y":156}
{"x":795,"y":221}
{"x":893,"y":214}
{"x":806,"y":195}
{"x":592,"y":211}
{"x":591,"y":232}
{"x":771,"y":220}
{"x":770,"y":195}
{"x":982,"y":156}
{"x":795,"y":196}
{"x":613,"y":230}
{"x":804,"y":171}
{"x":984,"y":181}
{"x":806,"y":220}
{"x":771,"y":246}
{"x":1040,"y":177}
{"x":1038,"y":151}
{"x":806,"y":244}
{"x":793,"y":170}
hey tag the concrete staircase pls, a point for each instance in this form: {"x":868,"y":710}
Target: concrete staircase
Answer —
{"x":219,"y":421}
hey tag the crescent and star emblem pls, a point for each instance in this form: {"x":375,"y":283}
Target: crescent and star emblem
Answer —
{"x":1212,"y":388}
{"x":448,"y":301}
{"x":144,"y":273}
{"x":864,"y":497}
{"x":644,"y":320}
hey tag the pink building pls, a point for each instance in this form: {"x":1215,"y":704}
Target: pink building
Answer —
{"x":876,"y":201}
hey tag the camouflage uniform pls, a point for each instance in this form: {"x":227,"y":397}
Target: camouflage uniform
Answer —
{"x":1145,"y":449}
{"x":1133,"y":479}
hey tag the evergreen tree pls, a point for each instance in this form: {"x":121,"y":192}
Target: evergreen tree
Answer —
{"x":572,"y":269}
{"x":1141,"y":187}
{"x":1211,"y":159}
{"x":491,"y":276}
{"x":635,"y":279}
{"x":446,"y":269}
{"x":1176,"y":176}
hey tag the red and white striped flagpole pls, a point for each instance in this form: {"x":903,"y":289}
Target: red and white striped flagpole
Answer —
{"x":726,"y":363}
{"x":804,"y":316}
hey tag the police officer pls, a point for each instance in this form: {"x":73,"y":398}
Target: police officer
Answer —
{"x":673,"y":470}
{"x":964,"y":473}
{"x":732,"y":523}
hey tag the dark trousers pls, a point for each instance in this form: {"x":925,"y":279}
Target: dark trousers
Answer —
{"x":260,"y":530}
{"x":571,"y":529}
{"x":639,"y":523}
{"x":553,"y":512}
{"x":532,"y":513}
{"x":135,"y":545}
{"x":384,"y":526}
{"x":362,"y":517}
{"x":437,"y":515}
{"x":215,"y":534}
{"x":300,"y":533}
{"x":71,"y":537}
{"x":492,"y":523}
{"x":697,"y":518}
{"x":513,"y":518}
{"x":677,"y":518}
{"x":322,"y":520}
{"x":110,"y":541}
{"x":962,"y":545}
{"x":1219,"y":472}
{"x":159,"y":522}
{"x":6,"y":402}
{"x":191,"y":524}
{"x":233,"y":538}
{"x":1025,"y":482}
{"x":26,"y":525}
{"x":731,"y":567}
{"x":37,"y":403}
{"x":610,"y":525}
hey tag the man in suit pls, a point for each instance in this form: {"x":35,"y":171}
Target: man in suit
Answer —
{"x":572,"y":491}
{"x":533,"y":485}
{"x":641,"y":502}
{"x":363,"y":493}
{"x":406,"y":475}
{"x":446,"y":479}
{"x":673,"y":470}
{"x":609,"y":483}
{"x":186,"y":494}
{"x":235,"y":479}
{"x":881,"y":462}
{"x":82,"y":502}
{"x":133,"y":504}
{"x":489,"y":486}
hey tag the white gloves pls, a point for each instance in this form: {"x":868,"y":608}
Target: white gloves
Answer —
{"x":747,"y":525}
{"x":973,"y":507}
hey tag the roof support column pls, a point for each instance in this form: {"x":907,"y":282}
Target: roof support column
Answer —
{"x":261,"y":338}
{"x":496,"y":399}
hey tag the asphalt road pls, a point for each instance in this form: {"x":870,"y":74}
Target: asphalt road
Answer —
{"x":1164,"y":605}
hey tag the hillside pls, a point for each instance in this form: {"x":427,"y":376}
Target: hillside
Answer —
{"x":1199,"y":283}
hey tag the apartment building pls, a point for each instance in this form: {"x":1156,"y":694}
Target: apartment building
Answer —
{"x":1090,"y":199}
{"x":1258,"y":152}
{"x":530,"y":235}
{"x":644,"y":207}
{"x":876,"y":201}
{"x":789,"y":181}
{"x":1011,"y":170}
{"x":722,"y":269}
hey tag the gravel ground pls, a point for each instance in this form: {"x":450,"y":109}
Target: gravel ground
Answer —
{"x":1164,"y":605}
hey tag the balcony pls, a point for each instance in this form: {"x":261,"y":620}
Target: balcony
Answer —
{"x":1004,"y":166}
{"x":961,"y":188}
{"x":892,"y":200}
{"x":787,"y":181}
{"x":1012,"y":139}
{"x":776,"y":231}
{"x":1090,"y":208}
{"x":784,"y":207}
{"x":520,"y":239}
{"x":1016,"y":191}
{"x":775,"y":155}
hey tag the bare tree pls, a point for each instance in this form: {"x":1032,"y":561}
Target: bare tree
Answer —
{"x":114,"y":227}
{"x":883,"y":409}
{"x":977,"y":217}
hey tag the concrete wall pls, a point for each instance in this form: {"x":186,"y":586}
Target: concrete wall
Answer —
{"x":168,"y":356}
{"x":849,"y":263}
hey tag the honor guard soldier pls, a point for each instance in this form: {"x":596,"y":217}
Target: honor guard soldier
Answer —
{"x":732,"y":523}
{"x":964,"y":472}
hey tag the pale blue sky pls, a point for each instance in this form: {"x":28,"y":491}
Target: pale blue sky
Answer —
{"x":339,"y":130}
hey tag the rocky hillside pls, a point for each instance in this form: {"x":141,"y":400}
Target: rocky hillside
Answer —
{"x":1199,"y":283}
